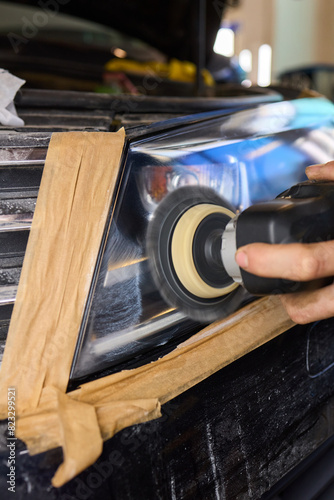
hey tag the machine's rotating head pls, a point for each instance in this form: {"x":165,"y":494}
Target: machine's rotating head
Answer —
{"x":184,"y":251}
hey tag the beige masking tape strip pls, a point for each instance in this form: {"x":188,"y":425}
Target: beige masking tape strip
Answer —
{"x":80,"y":437}
{"x":71,"y":211}
{"x":40,"y":430}
{"x":205,"y":353}
{"x":79,"y":429}
{"x":116,"y":415}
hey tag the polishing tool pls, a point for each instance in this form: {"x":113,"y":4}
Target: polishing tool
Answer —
{"x":194,"y":235}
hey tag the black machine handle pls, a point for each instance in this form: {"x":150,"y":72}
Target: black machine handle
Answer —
{"x":302,"y":214}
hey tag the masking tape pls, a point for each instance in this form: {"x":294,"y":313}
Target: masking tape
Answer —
{"x":75,"y":196}
{"x":134,"y":396}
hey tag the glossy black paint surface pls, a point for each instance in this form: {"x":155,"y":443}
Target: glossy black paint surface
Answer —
{"x":233,"y":436}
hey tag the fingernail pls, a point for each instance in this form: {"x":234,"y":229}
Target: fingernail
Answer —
{"x":313,"y":169}
{"x":241,"y":259}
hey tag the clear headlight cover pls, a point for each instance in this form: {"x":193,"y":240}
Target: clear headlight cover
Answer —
{"x":246,"y":157}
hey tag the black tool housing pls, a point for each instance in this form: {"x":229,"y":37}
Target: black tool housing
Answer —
{"x":302,"y":214}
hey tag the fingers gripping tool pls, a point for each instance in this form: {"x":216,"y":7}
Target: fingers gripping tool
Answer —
{"x":194,"y":235}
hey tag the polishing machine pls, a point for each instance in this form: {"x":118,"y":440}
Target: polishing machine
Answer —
{"x":194,"y":235}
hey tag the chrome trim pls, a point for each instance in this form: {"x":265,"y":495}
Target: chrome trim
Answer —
{"x":22,"y":156}
{"x":15,"y":222}
{"x":7,"y":295}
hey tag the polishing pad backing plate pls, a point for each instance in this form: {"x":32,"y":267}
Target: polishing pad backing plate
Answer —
{"x":182,"y":251}
{"x":159,"y":242}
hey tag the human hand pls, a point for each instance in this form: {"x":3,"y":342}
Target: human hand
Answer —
{"x":298,"y":262}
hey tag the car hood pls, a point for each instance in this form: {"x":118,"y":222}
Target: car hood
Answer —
{"x":171,"y":26}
